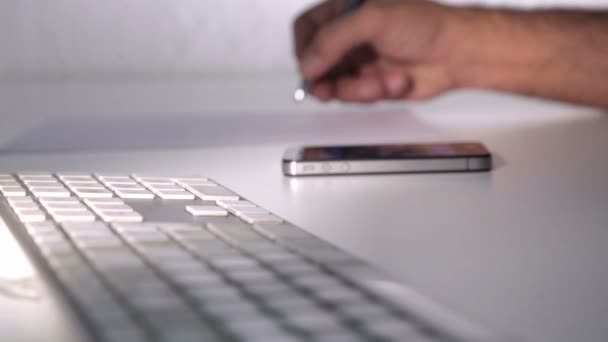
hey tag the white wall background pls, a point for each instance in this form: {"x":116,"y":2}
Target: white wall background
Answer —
{"x":40,"y":37}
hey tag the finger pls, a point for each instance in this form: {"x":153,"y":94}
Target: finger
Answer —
{"x":306,"y":25}
{"x":368,"y":69}
{"x":362,"y":89}
{"x":335,"y":39}
{"x":393,"y":76}
{"x":324,"y":91}
{"x":396,"y":84}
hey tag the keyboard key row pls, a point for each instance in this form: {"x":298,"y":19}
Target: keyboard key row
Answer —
{"x":45,"y":185}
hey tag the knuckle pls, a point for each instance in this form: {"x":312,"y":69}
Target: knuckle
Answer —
{"x":301,"y":23}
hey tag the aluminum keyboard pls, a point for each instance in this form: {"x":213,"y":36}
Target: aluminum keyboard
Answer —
{"x":185,"y":259}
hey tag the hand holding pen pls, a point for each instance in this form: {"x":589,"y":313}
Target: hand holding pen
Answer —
{"x":359,"y":51}
{"x":416,"y":49}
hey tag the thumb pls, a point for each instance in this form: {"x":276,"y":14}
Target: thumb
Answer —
{"x":333,"y":41}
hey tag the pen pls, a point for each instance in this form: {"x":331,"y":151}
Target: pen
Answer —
{"x":305,"y":87}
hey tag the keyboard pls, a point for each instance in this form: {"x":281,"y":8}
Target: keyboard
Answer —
{"x":144,"y":258}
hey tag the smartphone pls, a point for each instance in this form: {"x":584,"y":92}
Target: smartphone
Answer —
{"x":390,"y":158}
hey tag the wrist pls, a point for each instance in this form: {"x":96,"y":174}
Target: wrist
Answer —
{"x":465,"y":45}
{"x":502,"y":49}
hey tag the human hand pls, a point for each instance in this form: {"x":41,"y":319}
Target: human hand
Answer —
{"x":386,"y":49}
{"x":416,"y":49}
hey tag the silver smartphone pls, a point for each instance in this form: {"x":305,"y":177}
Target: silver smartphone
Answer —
{"x":389,"y":158}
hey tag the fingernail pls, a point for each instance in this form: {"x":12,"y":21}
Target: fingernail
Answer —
{"x":311,"y":64}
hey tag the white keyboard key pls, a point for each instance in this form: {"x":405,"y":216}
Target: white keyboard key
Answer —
{"x":153,"y":180}
{"x":134,"y":194}
{"x":44,"y":227}
{"x":34,"y":175}
{"x":119,"y":216}
{"x":49,"y":239}
{"x":165,"y":187}
{"x":53,"y":207}
{"x":261,"y":218}
{"x":206,"y":210}
{"x":92,"y":193}
{"x":89,"y":233}
{"x":27,"y":211}
{"x":146,"y":237}
{"x":41,"y":192}
{"x":8,"y":183}
{"x":50,"y":183}
{"x":212,"y":193}
{"x":19,"y":211}
{"x":173,"y":194}
{"x":51,"y":200}
{"x":111,"y":207}
{"x":125,"y":186}
{"x":109,"y":177}
{"x":72,"y":174}
{"x":69,"y":226}
{"x":85,"y":185}
{"x":235,"y":204}
{"x":192,"y":181}
{"x":12,"y":191}
{"x":109,"y":242}
{"x":135,"y":227}
{"x":20,"y":206}
{"x":38,"y":179}
{"x":240,"y":211}
{"x":29,"y":216}
{"x":13,"y":200}
{"x":87,"y":180}
{"x":73,"y":216}
{"x":111,"y":200}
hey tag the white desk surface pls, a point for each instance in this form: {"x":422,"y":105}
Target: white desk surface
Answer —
{"x":522,"y":249}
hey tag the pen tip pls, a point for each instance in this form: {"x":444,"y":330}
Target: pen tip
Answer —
{"x":299,"y":95}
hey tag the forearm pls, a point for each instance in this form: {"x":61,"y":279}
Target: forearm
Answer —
{"x":553,"y":54}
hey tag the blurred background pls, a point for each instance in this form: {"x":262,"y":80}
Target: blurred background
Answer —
{"x":92,"y":38}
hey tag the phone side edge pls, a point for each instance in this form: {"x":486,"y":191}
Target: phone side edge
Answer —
{"x":480,"y":163}
{"x":290,"y":167}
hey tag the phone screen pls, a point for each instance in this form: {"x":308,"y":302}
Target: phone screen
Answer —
{"x":408,"y":151}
